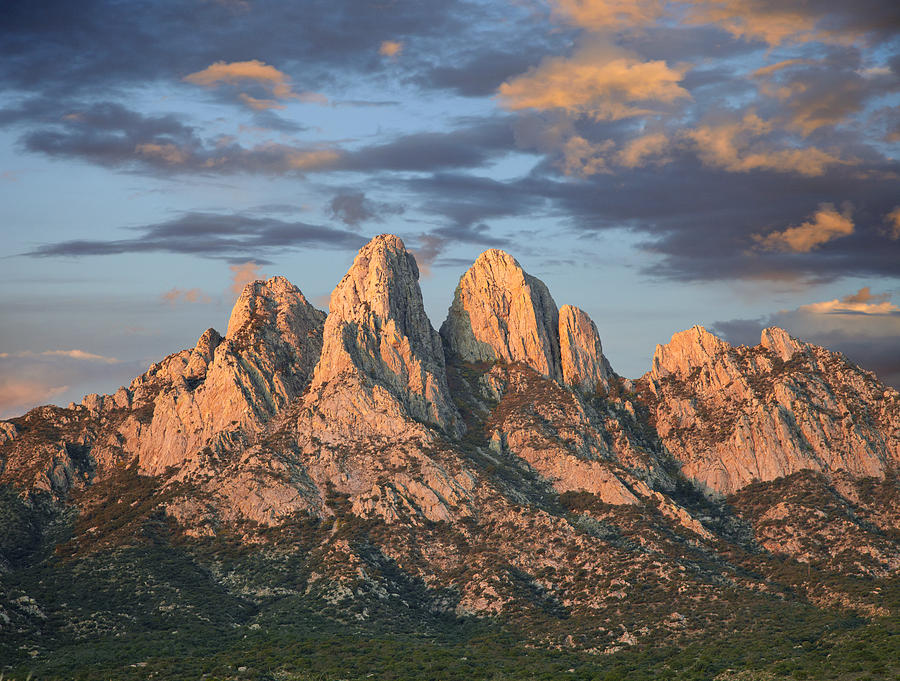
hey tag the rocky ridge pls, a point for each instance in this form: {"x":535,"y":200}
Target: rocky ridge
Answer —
{"x":735,"y":415}
{"x":502,"y":465}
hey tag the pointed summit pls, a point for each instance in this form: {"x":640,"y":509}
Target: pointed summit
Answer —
{"x":780,"y":342}
{"x":581,"y":353}
{"x":686,"y":351}
{"x":377,"y":333}
{"x":500,"y":312}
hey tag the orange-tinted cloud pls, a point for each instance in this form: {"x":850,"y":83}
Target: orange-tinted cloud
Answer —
{"x":735,"y":146}
{"x":192,"y":295}
{"x":390,"y":48}
{"x":603,"y":15}
{"x":243,"y":274}
{"x":595,"y":82}
{"x":893,"y":221}
{"x":861,"y":302}
{"x":166,"y":152}
{"x":253,"y":71}
{"x":16,"y":396}
{"x":825,"y":225}
{"x":638,"y":150}
{"x":765,"y":20}
{"x":584,"y":158}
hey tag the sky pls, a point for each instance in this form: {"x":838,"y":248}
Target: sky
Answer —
{"x":730,"y":163}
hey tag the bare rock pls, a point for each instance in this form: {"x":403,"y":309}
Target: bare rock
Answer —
{"x":581,"y":353}
{"x":191,"y":398}
{"x":736,"y":415}
{"x":501,"y":313}
{"x":379,"y":343}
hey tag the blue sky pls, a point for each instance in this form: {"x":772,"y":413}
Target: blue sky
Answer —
{"x":731,"y":163}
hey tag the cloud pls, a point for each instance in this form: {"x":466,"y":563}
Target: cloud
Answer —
{"x":862,"y":302}
{"x":598,"y":82}
{"x":816,"y":93}
{"x":863,"y":330}
{"x":71,"y":354}
{"x":893,"y":221}
{"x":428,"y":248}
{"x":109,"y":134}
{"x":191,"y":295}
{"x":605,"y":15}
{"x":793,"y":21}
{"x":242,"y":274}
{"x":29,"y":378}
{"x":826,"y":225}
{"x":736,"y":146}
{"x":390,"y":48}
{"x":210,"y":235}
{"x":273,"y":82}
{"x":353,"y":208}
{"x":640,"y":149}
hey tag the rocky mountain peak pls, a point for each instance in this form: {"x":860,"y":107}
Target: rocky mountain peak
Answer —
{"x":581,"y":353}
{"x":377,"y":333}
{"x":778,"y":341}
{"x":499,"y":312}
{"x":274,"y":303}
{"x":686,"y":351}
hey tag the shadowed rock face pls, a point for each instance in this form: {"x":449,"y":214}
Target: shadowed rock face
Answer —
{"x":733,"y":415}
{"x":378,"y":335}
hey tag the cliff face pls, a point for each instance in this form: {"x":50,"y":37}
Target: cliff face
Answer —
{"x":735,"y":415}
{"x":379,"y":340}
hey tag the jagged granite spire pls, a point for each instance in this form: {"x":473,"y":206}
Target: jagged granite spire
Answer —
{"x":583,"y":364}
{"x":500,"y":312}
{"x":733,"y":415}
{"x":377,"y":333}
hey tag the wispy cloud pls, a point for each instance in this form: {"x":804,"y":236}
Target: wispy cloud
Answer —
{"x":242,"y":274}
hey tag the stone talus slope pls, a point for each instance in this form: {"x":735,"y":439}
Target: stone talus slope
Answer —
{"x":733,"y":415}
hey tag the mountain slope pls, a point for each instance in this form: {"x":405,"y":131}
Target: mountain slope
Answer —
{"x":370,"y":473}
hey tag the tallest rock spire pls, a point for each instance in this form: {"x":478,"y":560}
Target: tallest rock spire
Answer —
{"x":378,"y":335}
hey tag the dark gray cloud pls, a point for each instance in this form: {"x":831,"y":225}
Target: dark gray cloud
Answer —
{"x":72,"y":49}
{"x":481,"y":74}
{"x":109,"y":134}
{"x":353,"y":208}
{"x":471,"y":145}
{"x":210,"y":235}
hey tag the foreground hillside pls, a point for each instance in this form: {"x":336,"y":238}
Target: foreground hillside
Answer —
{"x":359,"y":495}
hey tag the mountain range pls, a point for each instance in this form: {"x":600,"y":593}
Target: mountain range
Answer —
{"x":312,"y":482}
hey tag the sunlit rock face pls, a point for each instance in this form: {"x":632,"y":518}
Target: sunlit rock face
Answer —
{"x":581,"y":353}
{"x":501,"y":313}
{"x":193,"y":398}
{"x":733,"y":415}
{"x":377,"y":337}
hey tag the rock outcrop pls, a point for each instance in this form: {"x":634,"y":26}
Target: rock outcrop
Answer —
{"x":221,"y":387}
{"x":581,"y":353}
{"x":734,"y":415}
{"x":501,"y":313}
{"x":378,"y":340}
